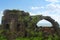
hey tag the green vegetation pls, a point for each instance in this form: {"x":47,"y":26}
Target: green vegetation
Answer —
{"x":2,"y":37}
{"x":50,"y":37}
{"x":19,"y":25}
{"x":35,"y":36}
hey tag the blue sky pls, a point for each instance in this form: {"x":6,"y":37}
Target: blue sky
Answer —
{"x":34,"y":7}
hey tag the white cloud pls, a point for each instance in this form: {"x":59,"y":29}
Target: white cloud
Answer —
{"x":36,"y":8}
{"x":1,"y":11}
{"x":45,"y":24}
{"x":1,"y":14}
{"x":53,"y":1}
{"x":51,"y":9}
{"x":32,"y":14}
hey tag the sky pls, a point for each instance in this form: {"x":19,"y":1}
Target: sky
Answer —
{"x":34,"y":7}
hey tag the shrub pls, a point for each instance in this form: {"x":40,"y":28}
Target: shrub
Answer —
{"x":2,"y":37}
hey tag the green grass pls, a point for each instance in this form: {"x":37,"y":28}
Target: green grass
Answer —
{"x":38,"y":36}
{"x":2,"y":37}
{"x":32,"y":38}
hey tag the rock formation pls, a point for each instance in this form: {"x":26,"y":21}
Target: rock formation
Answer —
{"x":16,"y":23}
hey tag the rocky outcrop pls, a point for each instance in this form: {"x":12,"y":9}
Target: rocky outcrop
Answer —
{"x":16,"y":22}
{"x":54,"y":23}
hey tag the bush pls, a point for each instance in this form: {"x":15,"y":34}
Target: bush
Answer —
{"x":2,"y":37}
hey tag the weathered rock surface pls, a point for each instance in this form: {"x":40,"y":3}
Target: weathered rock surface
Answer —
{"x":18,"y":23}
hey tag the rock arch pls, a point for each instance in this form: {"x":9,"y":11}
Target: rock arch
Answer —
{"x":55,"y":25}
{"x":17,"y":15}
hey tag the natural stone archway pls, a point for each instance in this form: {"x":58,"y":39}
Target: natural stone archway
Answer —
{"x":21,"y":20}
{"x":36,"y":18}
{"x":55,"y":25}
{"x":52,"y":21}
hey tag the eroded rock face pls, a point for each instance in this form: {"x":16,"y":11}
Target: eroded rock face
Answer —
{"x":17,"y":22}
{"x":14,"y":23}
{"x":54,"y":23}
